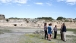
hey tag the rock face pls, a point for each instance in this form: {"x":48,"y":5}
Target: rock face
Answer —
{"x":34,"y":23}
{"x":37,"y":24}
{"x":69,"y":19}
{"x":2,"y":16}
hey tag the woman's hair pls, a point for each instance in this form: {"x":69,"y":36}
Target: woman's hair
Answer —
{"x":50,"y":24}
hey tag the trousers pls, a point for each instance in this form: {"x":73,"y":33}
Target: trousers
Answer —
{"x":64,"y":36}
{"x":55,"y":34}
{"x":46,"y":35}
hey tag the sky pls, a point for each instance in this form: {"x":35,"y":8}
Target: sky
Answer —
{"x":38,"y":8}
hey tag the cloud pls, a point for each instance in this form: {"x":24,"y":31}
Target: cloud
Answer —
{"x":49,"y":4}
{"x":5,"y":1}
{"x":71,"y":2}
{"x":60,"y":0}
{"x":39,"y":3}
{"x":14,"y":1}
{"x":21,"y":1}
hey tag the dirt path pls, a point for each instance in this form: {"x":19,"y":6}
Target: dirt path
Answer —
{"x":23,"y":36}
{"x":15,"y":36}
{"x":10,"y":37}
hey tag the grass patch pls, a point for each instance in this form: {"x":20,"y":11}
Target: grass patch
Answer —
{"x":66,"y":35}
{"x":35,"y":35}
{"x":73,"y":30}
{"x":4,"y":31}
{"x":36,"y":38}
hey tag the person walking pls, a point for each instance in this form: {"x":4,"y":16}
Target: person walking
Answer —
{"x":55,"y":32}
{"x":49,"y":32}
{"x":64,"y":32}
{"x":45,"y":30}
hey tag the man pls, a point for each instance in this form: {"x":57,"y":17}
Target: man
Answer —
{"x":64,"y":32}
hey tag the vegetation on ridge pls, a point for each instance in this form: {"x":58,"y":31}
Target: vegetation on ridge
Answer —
{"x":46,"y":18}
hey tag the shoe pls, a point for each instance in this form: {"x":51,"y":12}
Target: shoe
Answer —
{"x":64,"y":41}
{"x":49,"y":40}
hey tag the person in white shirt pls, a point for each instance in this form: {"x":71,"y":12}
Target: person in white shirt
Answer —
{"x":55,"y":32}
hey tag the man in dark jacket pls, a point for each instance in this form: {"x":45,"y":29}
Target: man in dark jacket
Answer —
{"x":64,"y":32}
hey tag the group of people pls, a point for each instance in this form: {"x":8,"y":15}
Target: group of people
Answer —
{"x":49,"y":31}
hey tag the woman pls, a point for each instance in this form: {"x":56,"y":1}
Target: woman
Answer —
{"x":45,"y":30}
{"x":55,"y":32}
{"x":49,"y":31}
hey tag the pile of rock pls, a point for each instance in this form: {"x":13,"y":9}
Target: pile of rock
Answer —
{"x":39,"y":32}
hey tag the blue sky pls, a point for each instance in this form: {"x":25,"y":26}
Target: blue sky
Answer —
{"x":38,"y":8}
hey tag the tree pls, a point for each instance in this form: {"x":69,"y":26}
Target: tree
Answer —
{"x":14,"y":18}
{"x":60,"y":18}
{"x":45,"y":18}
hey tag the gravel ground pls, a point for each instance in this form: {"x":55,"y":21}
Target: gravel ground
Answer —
{"x":24,"y":36}
{"x":30,"y":39}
